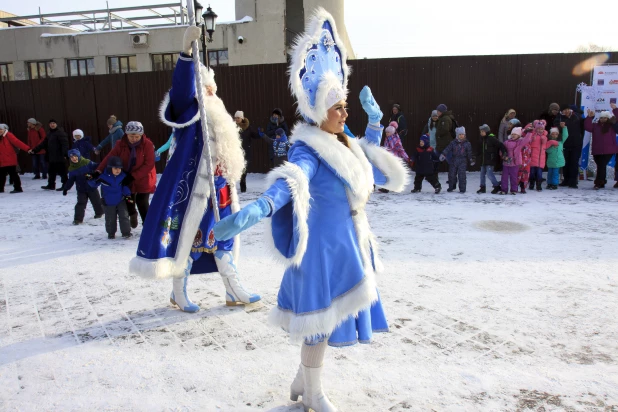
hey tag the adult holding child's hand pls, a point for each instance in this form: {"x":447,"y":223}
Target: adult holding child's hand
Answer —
{"x":138,"y":161}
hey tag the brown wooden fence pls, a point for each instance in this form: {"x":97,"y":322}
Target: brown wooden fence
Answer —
{"x":479,"y":89}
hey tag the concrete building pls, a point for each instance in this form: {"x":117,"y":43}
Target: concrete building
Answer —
{"x":261,"y":34}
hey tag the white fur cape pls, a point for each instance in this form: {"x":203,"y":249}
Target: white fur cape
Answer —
{"x":226,"y":151}
{"x":354,"y":167}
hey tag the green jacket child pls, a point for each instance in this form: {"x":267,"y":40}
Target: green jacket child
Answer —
{"x":555,"y":157}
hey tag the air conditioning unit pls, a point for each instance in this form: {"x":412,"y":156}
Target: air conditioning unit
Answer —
{"x":139,"y":38}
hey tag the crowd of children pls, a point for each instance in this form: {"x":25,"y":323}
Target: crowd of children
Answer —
{"x":524,"y":155}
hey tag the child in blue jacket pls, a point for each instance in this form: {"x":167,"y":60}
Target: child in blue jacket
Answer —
{"x":79,"y":167}
{"x":115,"y":196}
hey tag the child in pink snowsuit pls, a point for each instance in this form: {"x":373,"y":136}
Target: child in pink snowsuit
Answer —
{"x":392,"y":142}
{"x":523,"y":175}
{"x":538,"y":144}
{"x":511,"y":162}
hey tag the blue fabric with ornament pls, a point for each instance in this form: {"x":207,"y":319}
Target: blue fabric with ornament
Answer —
{"x":166,"y":215}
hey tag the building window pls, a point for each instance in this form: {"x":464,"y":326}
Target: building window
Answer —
{"x":218,"y":57}
{"x":121,"y":64}
{"x":6,"y":72}
{"x":40,"y":70}
{"x":165,"y":61}
{"x":80,"y":67}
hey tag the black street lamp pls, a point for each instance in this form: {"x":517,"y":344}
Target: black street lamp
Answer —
{"x":208,"y":22}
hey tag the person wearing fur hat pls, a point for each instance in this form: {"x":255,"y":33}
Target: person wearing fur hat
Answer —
{"x":80,"y":168}
{"x":178,"y":238}
{"x":512,"y":159}
{"x":603,"y":145}
{"x":398,"y":117}
{"x":247,"y":135}
{"x":115,"y":134}
{"x":491,"y":149}
{"x":538,"y":144}
{"x":280,"y":145}
{"x":460,"y":152}
{"x":36,"y":135}
{"x":56,"y":144}
{"x":136,"y":151}
{"x":570,"y":120}
{"x":503,"y":130}
{"x":117,"y":197}
{"x":423,"y":160}
{"x":8,"y":158}
{"x":82,"y":143}
{"x":555,"y":156}
{"x":316,"y":202}
{"x":430,"y":128}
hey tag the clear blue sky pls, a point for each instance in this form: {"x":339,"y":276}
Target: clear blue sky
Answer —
{"x":398,"y":28}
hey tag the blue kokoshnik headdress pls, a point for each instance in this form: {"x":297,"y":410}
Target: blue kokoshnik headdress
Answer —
{"x":318,"y":69}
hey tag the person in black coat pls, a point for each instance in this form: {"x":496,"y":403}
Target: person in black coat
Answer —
{"x":275,"y":122}
{"x":489,"y":148}
{"x":572,"y":146}
{"x":397,"y":116}
{"x":56,"y":144}
{"x":423,"y":160}
{"x":247,"y":134}
{"x":550,"y":115}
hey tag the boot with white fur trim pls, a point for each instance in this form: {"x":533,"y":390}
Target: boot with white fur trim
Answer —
{"x":235,"y":293}
{"x":314,"y":398}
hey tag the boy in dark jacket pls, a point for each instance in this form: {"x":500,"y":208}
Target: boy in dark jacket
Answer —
{"x":79,"y":167}
{"x":115,"y":196}
{"x":280,"y":146}
{"x":82,"y":143}
{"x":460,"y":152}
{"x":490,"y":148}
{"x":423,"y":159}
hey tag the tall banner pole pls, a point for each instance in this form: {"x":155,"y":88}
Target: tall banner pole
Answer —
{"x":200,"y":98}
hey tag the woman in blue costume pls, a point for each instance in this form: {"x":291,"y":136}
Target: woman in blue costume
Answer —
{"x":316,"y":203}
{"x":178,"y":238}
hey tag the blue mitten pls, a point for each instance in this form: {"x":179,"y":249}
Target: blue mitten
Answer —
{"x":370,"y":106}
{"x":157,"y":156}
{"x":232,"y":225}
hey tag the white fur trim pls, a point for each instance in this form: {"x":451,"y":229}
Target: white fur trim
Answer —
{"x":350,"y":164}
{"x":391,"y":166}
{"x":298,"y":53}
{"x":151,"y":268}
{"x":324,"y":322}
{"x":299,"y":188}
{"x":163,"y":106}
{"x":329,"y":86}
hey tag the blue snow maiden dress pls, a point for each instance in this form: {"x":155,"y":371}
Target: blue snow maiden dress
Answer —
{"x":180,"y":218}
{"x":320,"y":232}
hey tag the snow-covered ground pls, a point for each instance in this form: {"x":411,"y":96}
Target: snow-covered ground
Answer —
{"x":495,"y":303}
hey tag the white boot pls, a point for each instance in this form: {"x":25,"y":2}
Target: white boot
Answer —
{"x":298,"y":386}
{"x":179,"y":294}
{"x":235,"y":293}
{"x":313,"y":396}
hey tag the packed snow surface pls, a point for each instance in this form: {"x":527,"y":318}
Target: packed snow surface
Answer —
{"x":495,"y":303}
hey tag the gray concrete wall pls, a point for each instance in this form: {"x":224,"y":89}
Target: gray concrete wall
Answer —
{"x":264,"y":40}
